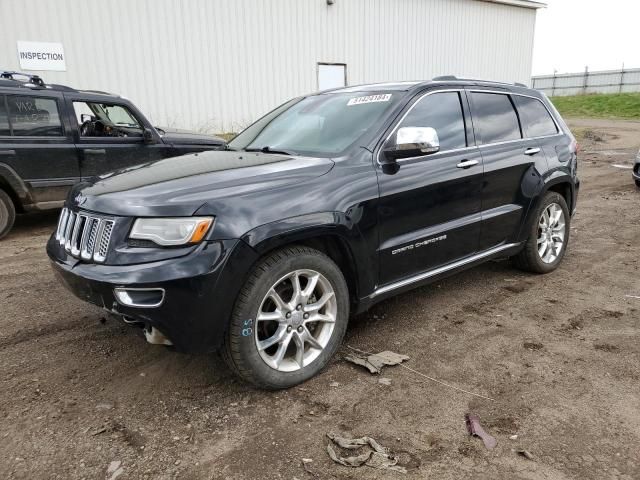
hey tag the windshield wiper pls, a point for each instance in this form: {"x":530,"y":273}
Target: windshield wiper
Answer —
{"x":267,"y":149}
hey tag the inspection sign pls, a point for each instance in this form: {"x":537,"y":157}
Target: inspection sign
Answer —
{"x":41,"y":56}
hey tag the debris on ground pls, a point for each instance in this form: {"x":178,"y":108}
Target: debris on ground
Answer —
{"x":99,"y":431}
{"x":114,"y":470}
{"x":513,"y":437}
{"x":384,"y":381}
{"x":376,"y":455}
{"x":526,"y":454}
{"x":306,"y":463}
{"x":375,"y":362}
{"x":363,"y":358}
{"x":476,"y":430}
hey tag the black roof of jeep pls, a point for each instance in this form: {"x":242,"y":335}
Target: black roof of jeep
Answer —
{"x":24,"y":81}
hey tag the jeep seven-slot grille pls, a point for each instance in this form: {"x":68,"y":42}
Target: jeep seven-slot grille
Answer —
{"x":84,"y":236}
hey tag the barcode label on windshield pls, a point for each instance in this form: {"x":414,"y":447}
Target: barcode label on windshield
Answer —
{"x":369,"y":99}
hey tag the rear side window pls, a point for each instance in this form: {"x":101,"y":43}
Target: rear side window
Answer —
{"x":34,"y":116}
{"x":535,"y":118}
{"x":495,"y":118}
{"x":442,"y":111}
{"x":4,"y":118}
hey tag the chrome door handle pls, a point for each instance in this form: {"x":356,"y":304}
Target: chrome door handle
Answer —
{"x":467,"y":164}
{"x":95,"y":151}
{"x":532,"y":151}
{"x":7,"y":152}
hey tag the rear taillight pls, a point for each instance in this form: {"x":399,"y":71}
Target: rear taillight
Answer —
{"x":574,"y":147}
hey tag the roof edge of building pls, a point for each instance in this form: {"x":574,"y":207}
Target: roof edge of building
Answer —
{"x":519,"y":3}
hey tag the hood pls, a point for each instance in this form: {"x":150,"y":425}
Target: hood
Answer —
{"x":178,"y":186}
{"x":184,"y":137}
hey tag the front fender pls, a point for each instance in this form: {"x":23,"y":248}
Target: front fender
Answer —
{"x":341,"y":228}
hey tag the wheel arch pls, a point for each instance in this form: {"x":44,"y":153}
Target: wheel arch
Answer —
{"x":561,"y":184}
{"x":323,"y":233}
{"x":13,"y":185}
{"x":563,"y":187}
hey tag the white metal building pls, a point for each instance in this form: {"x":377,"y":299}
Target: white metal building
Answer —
{"x":217,"y":65}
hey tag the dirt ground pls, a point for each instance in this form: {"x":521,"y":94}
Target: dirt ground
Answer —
{"x":560,"y":354}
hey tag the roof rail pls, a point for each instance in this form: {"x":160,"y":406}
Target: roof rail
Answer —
{"x":448,"y":78}
{"x":32,"y":79}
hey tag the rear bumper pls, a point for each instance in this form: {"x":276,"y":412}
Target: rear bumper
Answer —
{"x":199,"y":290}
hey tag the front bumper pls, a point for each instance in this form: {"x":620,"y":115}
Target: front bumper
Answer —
{"x":199,"y":289}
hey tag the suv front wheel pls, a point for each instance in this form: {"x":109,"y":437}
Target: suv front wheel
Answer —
{"x":289,"y":319}
{"x":548,"y":236}
{"x":7,"y":213}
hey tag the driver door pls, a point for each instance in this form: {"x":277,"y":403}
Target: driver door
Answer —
{"x":429,"y":211}
{"x":110,"y":137}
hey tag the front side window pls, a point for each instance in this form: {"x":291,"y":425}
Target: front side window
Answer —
{"x":443,"y":112}
{"x":495,"y":118}
{"x":4,"y":118}
{"x":535,"y":118}
{"x":34,"y":116}
{"x":317,"y":125}
{"x":106,"y":120}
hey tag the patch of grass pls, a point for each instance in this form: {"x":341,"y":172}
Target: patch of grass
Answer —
{"x":622,"y":105}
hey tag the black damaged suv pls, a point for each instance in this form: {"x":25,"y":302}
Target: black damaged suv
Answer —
{"x":325,"y":206}
{"x":52,"y":136}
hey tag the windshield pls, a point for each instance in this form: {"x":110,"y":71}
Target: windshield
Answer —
{"x":317,"y":125}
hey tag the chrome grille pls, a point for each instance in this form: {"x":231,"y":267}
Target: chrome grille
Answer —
{"x":84,"y":236}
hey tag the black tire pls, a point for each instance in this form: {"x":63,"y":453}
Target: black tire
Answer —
{"x":240,"y":351}
{"x":529,"y":259}
{"x":7,"y":213}
{"x":638,"y":183}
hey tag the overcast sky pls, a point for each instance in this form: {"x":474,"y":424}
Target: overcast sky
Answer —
{"x":573,"y":33}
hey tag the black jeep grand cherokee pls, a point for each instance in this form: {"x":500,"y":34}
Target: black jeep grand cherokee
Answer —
{"x":326,"y":205}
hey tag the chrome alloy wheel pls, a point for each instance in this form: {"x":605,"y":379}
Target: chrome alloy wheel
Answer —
{"x":295,"y":320}
{"x":551,"y":233}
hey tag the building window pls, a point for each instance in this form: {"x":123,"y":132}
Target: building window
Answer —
{"x":332,"y":75}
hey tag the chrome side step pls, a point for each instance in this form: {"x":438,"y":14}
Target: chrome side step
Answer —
{"x":445,"y":268}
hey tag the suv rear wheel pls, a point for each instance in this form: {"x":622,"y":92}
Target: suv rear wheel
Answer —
{"x":7,"y":213}
{"x":548,"y":237}
{"x":289,"y":319}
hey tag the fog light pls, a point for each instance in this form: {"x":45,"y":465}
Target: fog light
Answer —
{"x":139,"y":297}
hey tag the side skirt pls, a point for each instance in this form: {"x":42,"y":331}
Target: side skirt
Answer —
{"x":386,"y":291}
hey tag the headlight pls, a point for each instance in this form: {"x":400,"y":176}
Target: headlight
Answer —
{"x":171,"y":231}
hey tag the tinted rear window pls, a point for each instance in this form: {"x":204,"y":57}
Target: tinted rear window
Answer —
{"x":495,"y":118}
{"x":442,"y":111}
{"x":34,"y":116}
{"x":4,"y":118}
{"x":535,"y":118}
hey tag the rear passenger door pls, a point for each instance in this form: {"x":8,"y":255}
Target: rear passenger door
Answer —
{"x":38,"y":145}
{"x":509,"y":161}
{"x":537,"y":123}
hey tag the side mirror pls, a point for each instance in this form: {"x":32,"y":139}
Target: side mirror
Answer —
{"x":147,"y":135}
{"x":85,"y":117}
{"x":413,"y":142}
